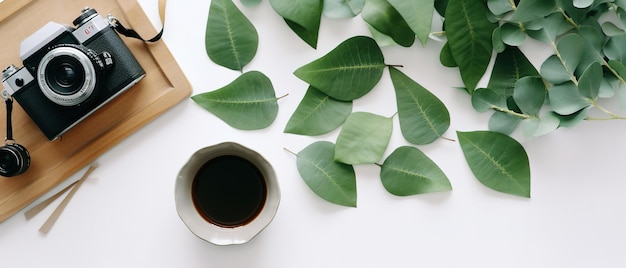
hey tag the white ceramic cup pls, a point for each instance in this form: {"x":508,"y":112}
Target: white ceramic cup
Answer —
{"x":212,"y":232}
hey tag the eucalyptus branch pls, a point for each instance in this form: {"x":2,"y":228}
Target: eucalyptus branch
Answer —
{"x":511,"y":112}
{"x":568,"y":18}
{"x":558,"y":55}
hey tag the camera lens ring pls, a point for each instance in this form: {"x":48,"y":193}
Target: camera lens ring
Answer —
{"x":14,"y":160}
{"x":88,"y":71}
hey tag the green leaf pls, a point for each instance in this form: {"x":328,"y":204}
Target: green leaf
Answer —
{"x":423,"y":117}
{"x":510,"y":66}
{"x":343,"y":8}
{"x":248,"y":103}
{"x":496,"y":40}
{"x":382,"y":39}
{"x":619,"y":68}
{"x":590,"y":81}
{"x":469,"y":35}
{"x":561,"y":67}
{"x":528,"y":10}
{"x":512,"y":34}
{"x":408,"y":171}
{"x":363,"y":138}
{"x":318,"y":114}
{"x":446,"y":58}
{"x":418,"y":14}
{"x":347,"y":72}
{"x":386,"y":19}
{"x":572,"y":119}
{"x":485,"y":99}
{"x":500,"y":7}
{"x":615,"y":48}
{"x":530,"y":94}
{"x":231,"y":40}
{"x":539,"y":126}
{"x":565,"y":99}
{"x":334,"y":182}
{"x":504,"y":123}
{"x":250,"y":3}
{"x":302,"y":16}
{"x":497,"y":160}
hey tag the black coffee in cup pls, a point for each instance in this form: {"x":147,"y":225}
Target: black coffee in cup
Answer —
{"x":229,"y":191}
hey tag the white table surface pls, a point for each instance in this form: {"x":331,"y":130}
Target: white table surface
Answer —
{"x":124,"y":215}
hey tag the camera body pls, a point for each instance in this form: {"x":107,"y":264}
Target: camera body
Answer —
{"x":69,"y":73}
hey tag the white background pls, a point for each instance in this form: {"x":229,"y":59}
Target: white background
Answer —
{"x":124,"y":215}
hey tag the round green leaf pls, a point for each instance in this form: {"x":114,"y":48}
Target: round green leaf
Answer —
{"x":500,"y":7}
{"x":615,"y":48}
{"x":497,"y":160}
{"x":408,"y":171}
{"x":318,"y":114}
{"x":539,"y":126}
{"x":248,"y":103}
{"x":302,"y":16}
{"x":363,"y":138}
{"x":553,"y":71}
{"x":572,"y":119}
{"x":565,"y":99}
{"x":582,"y":3}
{"x":381,"y":15}
{"x":343,"y":8}
{"x":231,"y":40}
{"x":496,"y":40}
{"x":529,"y":94}
{"x":504,"y":123}
{"x":333,"y":181}
{"x":512,"y":34}
{"x":347,"y":72}
{"x":484,"y":99}
{"x":528,"y":10}
{"x":469,"y":34}
{"x":590,"y":81}
{"x":423,"y":117}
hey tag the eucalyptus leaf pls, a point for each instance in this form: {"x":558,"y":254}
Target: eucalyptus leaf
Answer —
{"x":565,"y":99}
{"x":497,"y":160}
{"x":347,"y":72}
{"x":250,"y":3}
{"x":583,"y":3}
{"x":615,"y":48}
{"x":408,"y":171}
{"x":574,"y":119}
{"x":343,"y":8}
{"x":609,"y":28}
{"x":528,"y":10}
{"x":231,"y":40}
{"x":512,"y":34}
{"x":590,"y":81}
{"x":530,"y":94}
{"x":248,"y":103}
{"x":382,"y":39}
{"x":496,"y":40}
{"x":553,"y":71}
{"x":485,"y":99}
{"x":418,"y":14}
{"x":318,"y":114}
{"x":539,"y":126}
{"x":334,"y":182}
{"x":381,"y":15}
{"x":423,"y":117}
{"x":363,"y":138}
{"x":504,"y":123}
{"x":302,"y":16}
{"x":500,"y":7}
{"x":469,"y":35}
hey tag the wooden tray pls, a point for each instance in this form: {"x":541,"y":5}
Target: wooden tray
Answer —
{"x":52,"y":162}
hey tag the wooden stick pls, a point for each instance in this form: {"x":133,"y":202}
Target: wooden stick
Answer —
{"x":32,"y":212}
{"x":45,"y":228}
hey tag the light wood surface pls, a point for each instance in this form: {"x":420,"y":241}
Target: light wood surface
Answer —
{"x":52,"y":162}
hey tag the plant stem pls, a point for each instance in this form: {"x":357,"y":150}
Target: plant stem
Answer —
{"x":511,"y":112}
{"x":289,"y":151}
{"x":612,"y":116}
{"x":568,"y":18}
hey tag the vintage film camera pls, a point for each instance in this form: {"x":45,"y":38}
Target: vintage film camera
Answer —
{"x":69,"y":72}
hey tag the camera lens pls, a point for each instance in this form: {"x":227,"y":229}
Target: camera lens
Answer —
{"x":68,"y":74}
{"x":14,"y":160}
{"x":65,"y":75}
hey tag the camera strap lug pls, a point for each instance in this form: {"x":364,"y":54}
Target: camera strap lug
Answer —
{"x":121,"y":29}
{"x":9,"y":104}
